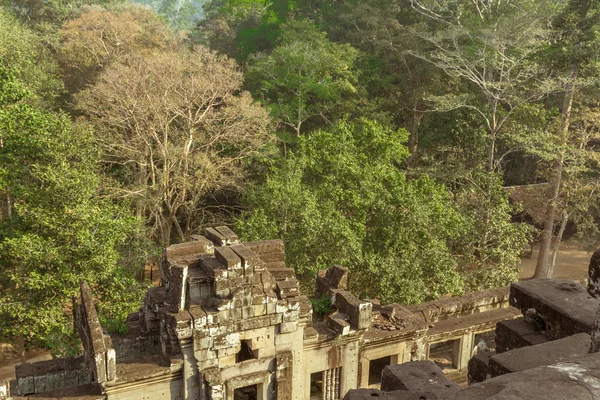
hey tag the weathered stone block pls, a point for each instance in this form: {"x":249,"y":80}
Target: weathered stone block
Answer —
{"x":478,"y":367}
{"x":226,"y":352}
{"x":254,"y":323}
{"x":561,"y":307}
{"x":265,"y":352}
{"x":282,"y":274}
{"x":260,"y":309}
{"x":198,"y":245}
{"x":266,"y":246}
{"x":226,"y":361}
{"x":539,"y":355}
{"x":203,"y":355}
{"x":236,"y":313}
{"x":228,"y":258}
{"x":287,"y":327}
{"x":249,"y":258}
{"x":275,"y":257}
{"x":228,"y":234}
{"x":207,"y":363}
{"x":516,"y":333}
{"x":214,"y":236}
{"x":288,"y":288}
{"x":358,"y":311}
{"x":577,"y":378}
{"x":338,"y":324}
{"x":202,"y":342}
{"x":247,"y":312}
{"x":369,"y":394}
{"x":423,"y":376}
{"x":291,"y":315}
{"x":276,"y":318}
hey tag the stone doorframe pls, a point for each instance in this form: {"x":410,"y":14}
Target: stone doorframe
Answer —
{"x":394,"y":351}
{"x":260,"y":379}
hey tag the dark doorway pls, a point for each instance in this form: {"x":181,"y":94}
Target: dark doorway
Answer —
{"x":246,"y":393}
{"x":376,"y":368}
{"x":316,"y":386}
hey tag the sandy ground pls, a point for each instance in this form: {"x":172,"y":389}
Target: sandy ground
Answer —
{"x":572,"y":261}
{"x":7,"y":372}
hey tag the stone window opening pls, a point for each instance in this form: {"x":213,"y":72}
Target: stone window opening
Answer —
{"x":445,"y":354}
{"x":245,"y":353}
{"x":484,"y":341}
{"x":376,"y":368}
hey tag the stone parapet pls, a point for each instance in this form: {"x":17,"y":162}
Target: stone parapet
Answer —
{"x":99,"y":356}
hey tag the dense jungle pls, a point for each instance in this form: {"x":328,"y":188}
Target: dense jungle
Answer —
{"x":394,"y":137}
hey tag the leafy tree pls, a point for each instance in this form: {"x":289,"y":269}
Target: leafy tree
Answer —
{"x":98,"y":38}
{"x":574,"y":55}
{"x":46,"y":16}
{"x":56,"y":230}
{"x":23,"y":50}
{"x":183,"y":15}
{"x":492,"y":47}
{"x":304,"y":77}
{"x":490,"y":247}
{"x":342,"y":199}
{"x":177,"y":132}
{"x":240,"y":28}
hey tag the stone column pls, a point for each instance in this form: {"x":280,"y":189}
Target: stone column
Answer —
{"x":191,"y":382}
{"x":465,"y":346}
{"x":594,"y":275}
{"x":327,"y":385}
{"x":338,"y":373}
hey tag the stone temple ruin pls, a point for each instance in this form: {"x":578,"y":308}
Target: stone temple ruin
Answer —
{"x":228,"y":321}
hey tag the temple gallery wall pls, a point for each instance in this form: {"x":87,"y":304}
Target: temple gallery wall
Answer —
{"x":228,"y":321}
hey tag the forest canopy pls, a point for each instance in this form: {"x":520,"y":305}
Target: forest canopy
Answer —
{"x":389,"y":136}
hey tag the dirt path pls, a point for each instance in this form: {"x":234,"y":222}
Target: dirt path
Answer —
{"x":7,"y":371}
{"x":572,"y":261}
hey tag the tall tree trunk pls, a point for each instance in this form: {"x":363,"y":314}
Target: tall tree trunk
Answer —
{"x":491,"y":151}
{"x":542,"y":268}
{"x":413,"y":138}
{"x":558,"y":241}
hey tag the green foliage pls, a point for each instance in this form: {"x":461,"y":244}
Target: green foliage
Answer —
{"x":46,"y":16}
{"x":57,"y":230}
{"x":321,"y":306}
{"x":24,"y":51}
{"x":305,"y":77}
{"x":491,"y":245}
{"x":182,"y":15}
{"x":62,"y":344}
{"x":239,"y":28}
{"x":343,"y":199}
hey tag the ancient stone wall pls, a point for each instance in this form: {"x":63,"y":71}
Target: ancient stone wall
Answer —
{"x":229,"y":318}
{"x":99,"y":356}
